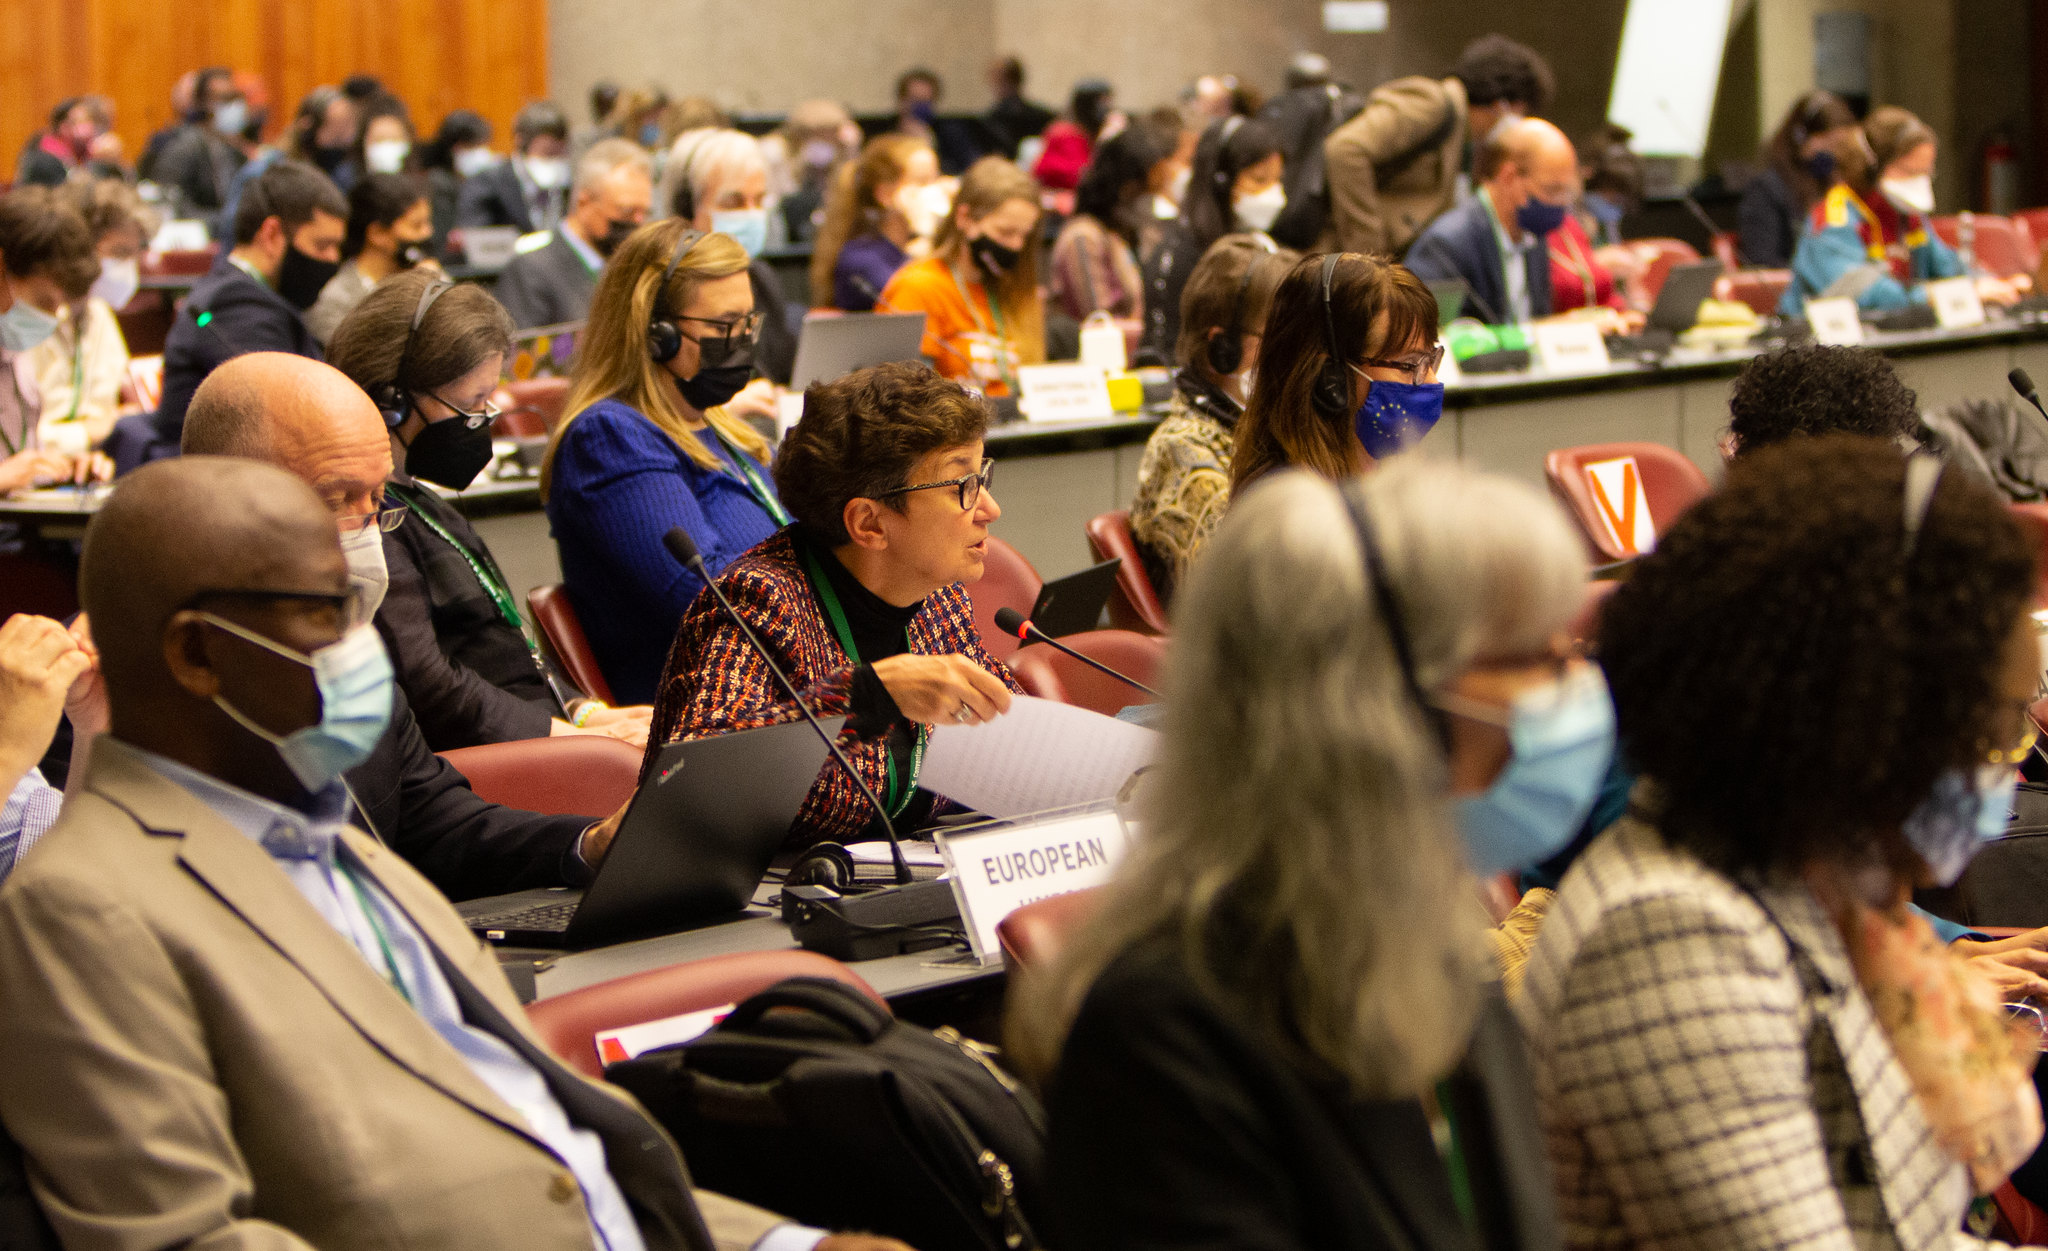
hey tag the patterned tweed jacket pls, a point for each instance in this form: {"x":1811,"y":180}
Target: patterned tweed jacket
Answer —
{"x":1183,"y":489}
{"x":714,"y":683}
{"x":1710,"y":1074}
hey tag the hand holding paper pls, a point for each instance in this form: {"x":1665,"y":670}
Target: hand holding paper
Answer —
{"x":1040,"y":755}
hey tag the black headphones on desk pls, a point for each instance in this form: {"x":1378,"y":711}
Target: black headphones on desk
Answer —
{"x":1330,"y":394}
{"x":664,"y":337}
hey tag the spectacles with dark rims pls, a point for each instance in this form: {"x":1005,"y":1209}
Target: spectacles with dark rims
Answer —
{"x":351,"y":609}
{"x":970,"y":486}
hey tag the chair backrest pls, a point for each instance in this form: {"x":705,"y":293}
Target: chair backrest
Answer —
{"x":1051,"y":674}
{"x":561,"y":633}
{"x":145,"y":381}
{"x":1663,"y":255}
{"x":543,"y":396}
{"x":1761,"y":289}
{"x":516,"y":420}
{"x":1036,"y":933}
{"x":185,"y":263}
{"x":2037,"y":223}
{"x":1135,"y":604}
{"x":2000,"y":246}
{"x":1610,"y":486}
{"x":584,"y":775}
{"x":569,"y":1024}
{"x":1007,"y":581}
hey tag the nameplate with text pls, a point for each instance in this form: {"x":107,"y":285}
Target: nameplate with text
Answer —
{"x":998,"y":869}
{"x":1064,"y":393}
{"x":1835,"y":321}
{"x":1569,"y":347}
{"x":1955,"y":302}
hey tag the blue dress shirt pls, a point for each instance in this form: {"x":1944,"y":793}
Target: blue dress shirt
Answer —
{"x":30,"y":810}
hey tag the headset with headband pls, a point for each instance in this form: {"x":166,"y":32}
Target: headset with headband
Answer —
{"x":1226,"y":348}
{"x":1230,"y":124}
{"x":393,"y":399}
{"x":1330,"y":395}
{"x":664,"y":337}
{"x":1389,"y":609}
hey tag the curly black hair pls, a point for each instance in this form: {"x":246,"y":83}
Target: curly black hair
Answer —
{"x":1496,"y":69}
{"x":1815,"y":389}
{"x":1789,"y":679}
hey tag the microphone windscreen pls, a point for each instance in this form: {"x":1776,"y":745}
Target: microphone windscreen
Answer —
{"x":1010,"y":621}
{"x":2021,"y":382}
{"x":680,"y":545}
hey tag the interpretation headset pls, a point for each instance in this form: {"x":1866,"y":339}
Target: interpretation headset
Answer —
{"x":1226,"y":349}
{"x":1389,"y":608}
{"x":393,"y":400}
{"x":1330,"y":394}
{"x":1230,"y":124}
{"x":664,"y":337}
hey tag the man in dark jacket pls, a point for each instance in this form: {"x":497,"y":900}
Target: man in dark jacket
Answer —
{"x":612,"y":197}
{"x":1495,"y":242}
{"x":530,"y":191}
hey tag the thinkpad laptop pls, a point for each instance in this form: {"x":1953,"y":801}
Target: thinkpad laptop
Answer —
{"x":693,"y":846}
{"x":1074,"y":603}
{"x":832,"y":347}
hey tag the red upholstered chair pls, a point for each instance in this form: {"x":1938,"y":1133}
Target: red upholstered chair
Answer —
{"x":569,"y":1024}
{"x":516,"y":420}
{"x":1135,"y":605}
{"x":2000,"y":246}
{"x":2019,"y":1221}
{"x":543,"y":397}
{"x":1050,"y":674}
{"x":1037,"y":932}
{"x":1670,"y":484}
{"x":1761,"y":289}
{"x":2036,"y":220}
{"x":1662,"y":255}
{"x":189,"y":263}
{"x":1007,"y":581}
{"x":561,"y":633}
{"x":585,"y":775}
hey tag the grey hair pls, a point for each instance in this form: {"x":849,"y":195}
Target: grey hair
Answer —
{"x":605,"y":156}
{"x":1301,"y":794}
{"x":707,"y":156}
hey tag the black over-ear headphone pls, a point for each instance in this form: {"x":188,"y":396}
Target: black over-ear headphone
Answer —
{"x":1330,"y":395}
{"x":664,"y":337}
{"x":1389,"y":609}
{"x":393,"y":400}
{"x":1226,"y":349}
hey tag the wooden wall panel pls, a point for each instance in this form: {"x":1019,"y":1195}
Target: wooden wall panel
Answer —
{"x":437,"y":55}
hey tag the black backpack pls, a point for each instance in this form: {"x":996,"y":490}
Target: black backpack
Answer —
{"x":812,"y":1101}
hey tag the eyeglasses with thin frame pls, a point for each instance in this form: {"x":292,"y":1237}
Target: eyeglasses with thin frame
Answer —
{"x":970,"y":486}
{"x":350,"y":606}
{"x":1418,"y":367}
{"x":482,"y":417}
{"x":385,"y":519}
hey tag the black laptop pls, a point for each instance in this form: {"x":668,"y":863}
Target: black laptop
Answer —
{"x":1074,"y":603}
{"x":694,"y":844}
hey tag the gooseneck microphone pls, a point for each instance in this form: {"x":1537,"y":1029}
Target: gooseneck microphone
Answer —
{"x":2025,"y":386}
{"x":1010,"y":621}
{"x":681,"y":546}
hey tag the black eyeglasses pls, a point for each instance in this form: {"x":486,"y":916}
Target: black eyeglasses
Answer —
{"x":746,"y":327}
{"x":970,"y":486}
{"x":1418,"y":367}
{"x":349,"y":606}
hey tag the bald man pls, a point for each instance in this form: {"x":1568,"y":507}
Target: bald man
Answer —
{"x":232,"y":1019}
{"x":308,"y":419}
{"x":1496,"y":242}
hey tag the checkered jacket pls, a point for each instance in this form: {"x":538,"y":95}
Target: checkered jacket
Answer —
{"x":714,"y":683}
{"x":1710,"y":1074}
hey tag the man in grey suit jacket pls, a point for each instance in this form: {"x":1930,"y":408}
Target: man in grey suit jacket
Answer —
{"x":611,"y":197}
{"x":234,"y":1021}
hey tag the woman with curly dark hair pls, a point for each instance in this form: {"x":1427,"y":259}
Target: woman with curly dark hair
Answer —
{"x":1817,"y":389}
{"x":1742,"y":1037}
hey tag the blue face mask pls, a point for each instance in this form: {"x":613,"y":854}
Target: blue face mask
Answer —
{"x":1964,"y":811}
{"x":1539,"y":217}
{"x":748,"y":227}
{"x":24,"y":326}
{"x":1562,"y":740}
{"x":1396,"y":415}
{"x":1604,"y":210}
{"x":354,"y":678}
{"x":1821,"y":166}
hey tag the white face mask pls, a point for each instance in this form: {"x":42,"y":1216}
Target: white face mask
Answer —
{"x":118,"y":282}
{"x":923,"y":208}
{"x":470,"y":162}
{"x":364,"y":551}
{"x":547,"y":172}
{"x":1910,"y":195}
{"x":386,"y":156}
{"x":1257,"y":212}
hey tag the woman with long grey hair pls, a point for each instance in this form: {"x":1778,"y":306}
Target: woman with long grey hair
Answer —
{"x":1278,"y":1029}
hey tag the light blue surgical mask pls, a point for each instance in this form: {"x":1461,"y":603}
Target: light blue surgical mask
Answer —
{"x":354,"y":678}
{"x":1396,"y":415}
{"x":1964,"y":811}
{"x":1561,"y":740}
{"x":748,"y":227}
{"x":24,"y":325}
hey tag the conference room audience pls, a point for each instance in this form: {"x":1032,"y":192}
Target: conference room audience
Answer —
{"x":613,"y":194}
{"x":460,"y":150}
{"x":1496,"y":242}
{"x":1233,"y":185}
{"x":1094,"y":262}
{"x":528,"y":191}
{"x":322,"y":133}
{"x":48,"y":259}
{"x":81,"y":368}
{"x":307,"y":418}
{"x":880,"y":204}
{"x":434,"y":352}
{"x":648,"y":444}
{"x":390,"y":229}
{"x":717,"y":180}
{"x":77,"y":138}
{"x":1799,"y":166}
{"x":861,"y":602}
{"x":1406,"y":158}
{"x":1069,"y":142}
{"x":1871,"y":236}
{"x":46,"y":674}
{"x":1340,"y":407}
{"x":816,"y":138}
{"x":1013,"y":117}
{"x":384,"y":142}
{"x":1184,"y":474}
{"x":197,"y":161}
{"x":1279,"y":1027}
{"x":1754,"y":939}
{"x":978,"y":290}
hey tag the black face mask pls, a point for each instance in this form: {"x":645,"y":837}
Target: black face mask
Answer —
{"x":450,"y":452}
{"x":614,"y":236}
{"x":300,"y":277}
{"x":330,"y":159}
{"x":994,"y":259}
{"x":725,"y":366}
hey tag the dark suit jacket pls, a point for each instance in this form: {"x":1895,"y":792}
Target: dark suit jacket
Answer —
{"x":494,"y":198}
{"x":247,"y":317}
{"x":1173,"y":1125}
{"x":1461,"y":244}
{"x":466,"y":671}
{"x":547,"y":286}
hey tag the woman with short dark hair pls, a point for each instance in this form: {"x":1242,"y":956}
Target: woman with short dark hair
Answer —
{"x":1234,"y":184}
{"x":390,"y":228}
{"x":862,"y":601}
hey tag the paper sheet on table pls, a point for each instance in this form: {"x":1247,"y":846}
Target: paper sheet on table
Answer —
{"x":1039,"y":755}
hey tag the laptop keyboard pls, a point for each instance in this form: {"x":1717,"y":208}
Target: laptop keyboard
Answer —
{"x":543,"y":918}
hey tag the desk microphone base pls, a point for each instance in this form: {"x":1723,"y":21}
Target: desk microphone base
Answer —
{"x":886,"y":922}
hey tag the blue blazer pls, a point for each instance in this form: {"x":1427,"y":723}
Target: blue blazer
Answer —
{"x":1461,"y":245}
{"x":617,"y":485}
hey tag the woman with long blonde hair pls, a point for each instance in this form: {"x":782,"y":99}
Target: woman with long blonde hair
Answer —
{"x":877,"y":206}
{"x":978,"y":289}
{"x":647,"y":445}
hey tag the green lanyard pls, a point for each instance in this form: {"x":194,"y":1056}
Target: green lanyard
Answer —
{"x":376,"y":927}
{"x":896,"y":794}
{"x":1451,"y":1146}
{"x":486,"y":571}
{"x":1001,"y":335}
{"x":756,"y":484}
{"x":77,"y":368}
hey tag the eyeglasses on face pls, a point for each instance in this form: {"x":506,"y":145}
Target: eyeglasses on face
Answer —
{"x":385,"y":519}
{"x":1418,"y":366}
{"x":970,"y":486}
{"x":350,"y":607}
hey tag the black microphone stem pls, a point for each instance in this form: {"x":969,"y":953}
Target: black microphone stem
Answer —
{"x":1032,"y":634}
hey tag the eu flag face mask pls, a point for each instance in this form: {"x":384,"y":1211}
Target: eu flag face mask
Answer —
{"x":1396,"y":415}
{"x":1561,"y":738}
{"x":354,"y":678}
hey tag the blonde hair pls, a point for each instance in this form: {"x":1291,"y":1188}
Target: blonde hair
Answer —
{"x":1299,"y":851}
{"x":988,"y":184}
{"x":611,"y":355}
{"x":852,"y":207}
